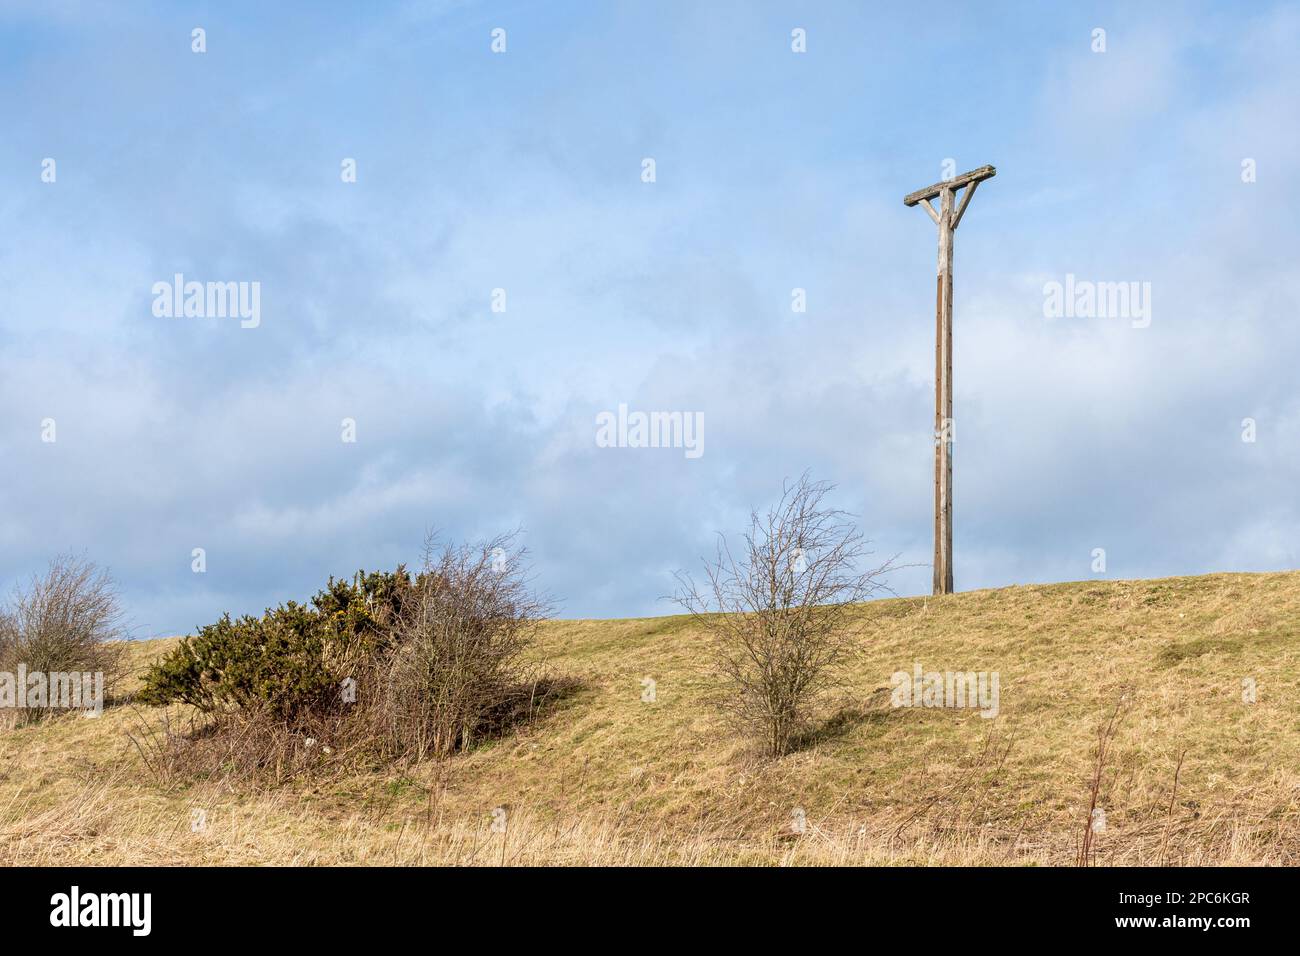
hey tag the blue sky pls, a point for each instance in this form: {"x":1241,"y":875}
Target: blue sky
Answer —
{"x":522,"y":171}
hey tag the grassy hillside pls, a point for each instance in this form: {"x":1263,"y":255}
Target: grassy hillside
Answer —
{"x":609,"y":778}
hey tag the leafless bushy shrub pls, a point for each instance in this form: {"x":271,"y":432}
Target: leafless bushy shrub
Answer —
{"x":68,"y":620}
{"x":455,"y":659}
{"x":786,"y":599}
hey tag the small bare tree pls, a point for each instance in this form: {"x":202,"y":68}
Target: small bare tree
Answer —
{"x":781,"y":611}
{"x":67,"y":620}
{"x":457,"y":648}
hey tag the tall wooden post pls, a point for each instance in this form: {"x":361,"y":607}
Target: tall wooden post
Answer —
{"x":947,"y":219}
{"x":943,"y":402}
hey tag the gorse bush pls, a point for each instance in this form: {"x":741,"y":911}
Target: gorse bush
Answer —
{"x":391,"y":665}
{"x":290,"y":662}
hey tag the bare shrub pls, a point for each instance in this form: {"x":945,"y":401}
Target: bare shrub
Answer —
{"x":68,"y":620}
{"x":454,"y":662}
{"x":785,"y":600}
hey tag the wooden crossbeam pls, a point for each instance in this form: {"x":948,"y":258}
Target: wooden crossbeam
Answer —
{"x":929,"y":192}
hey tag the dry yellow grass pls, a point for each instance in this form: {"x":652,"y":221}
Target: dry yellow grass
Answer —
{"x":609,"y":778}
